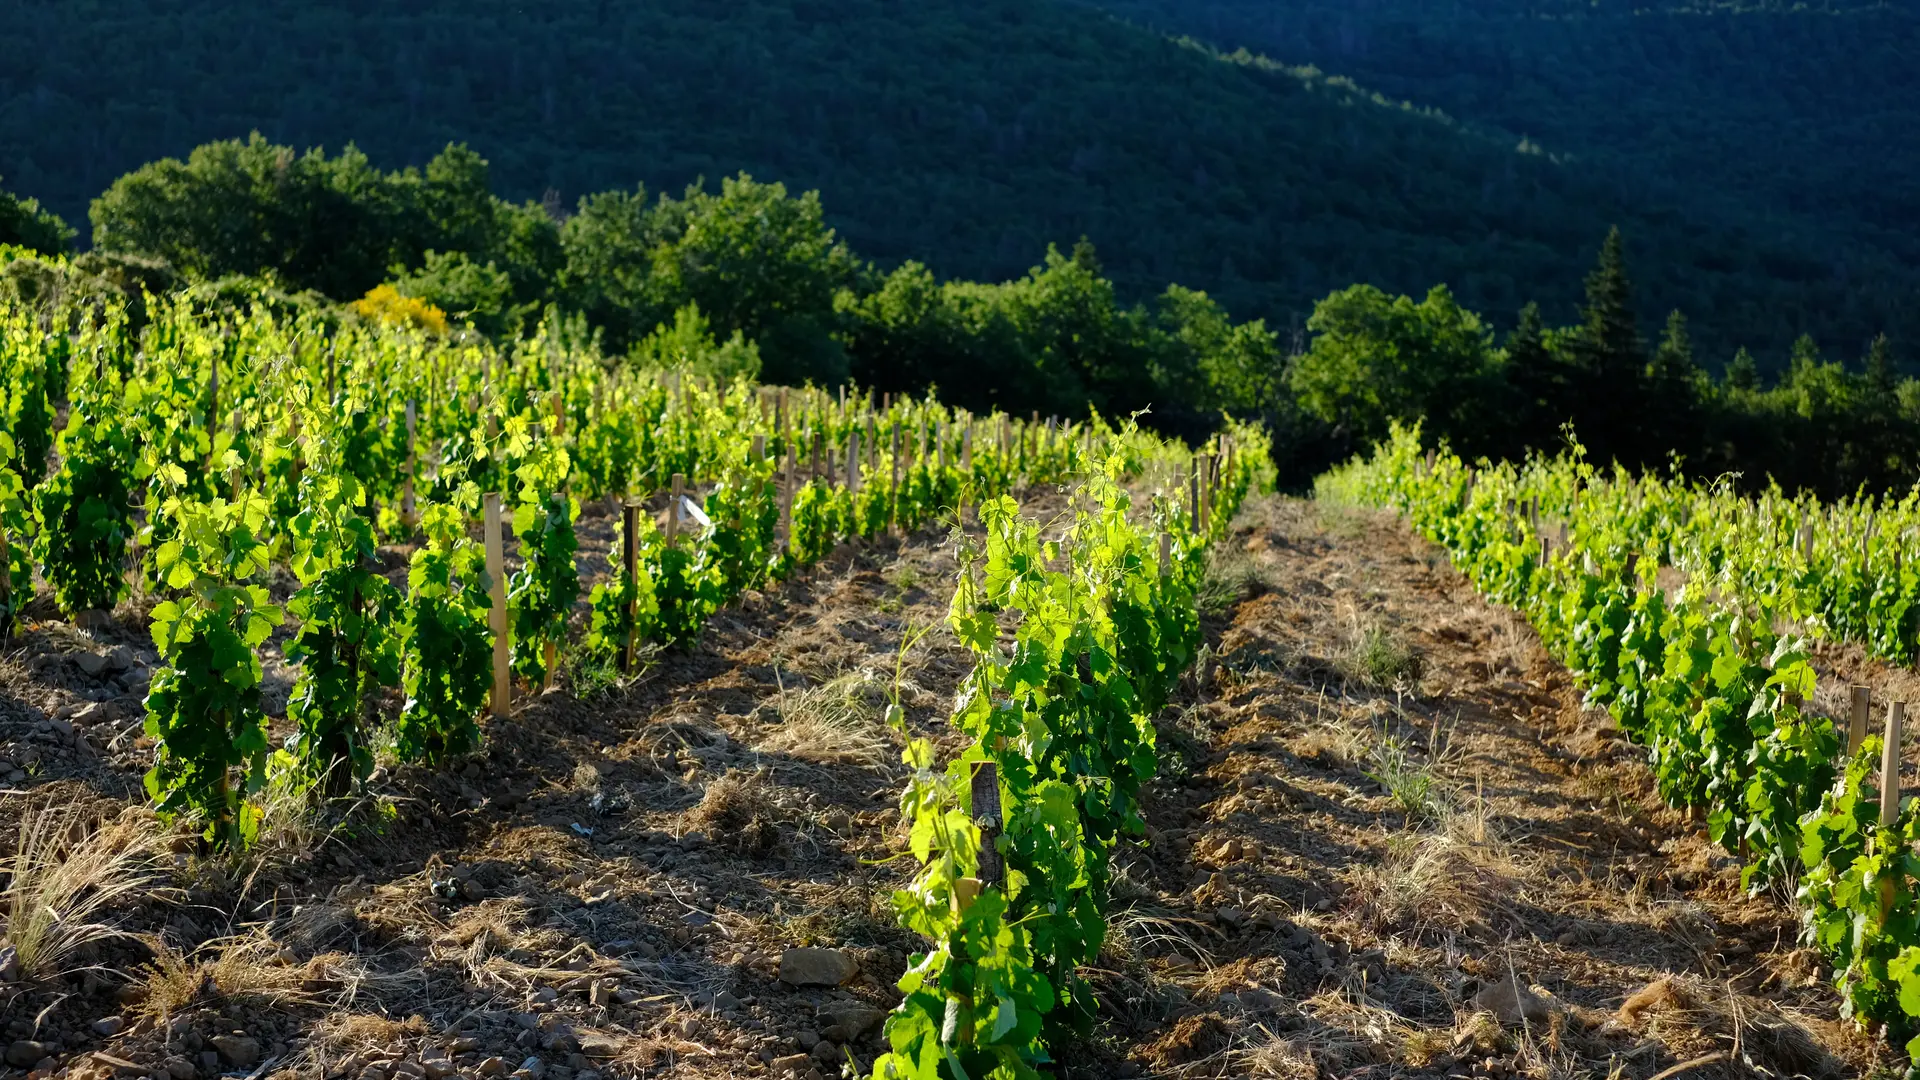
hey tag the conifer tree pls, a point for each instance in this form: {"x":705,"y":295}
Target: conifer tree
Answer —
{"x":1880,"y":374}
{"x":1610,"y":359}
{"x":1742,"y":372}
{"x":1673,"y":365}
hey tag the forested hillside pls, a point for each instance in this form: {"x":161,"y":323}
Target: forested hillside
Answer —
{"x":968,"y":136}
{"x":1800,"y":111}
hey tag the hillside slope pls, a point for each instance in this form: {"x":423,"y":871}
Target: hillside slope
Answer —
{"x":966,"y":135}
{"x":1802,"y":109}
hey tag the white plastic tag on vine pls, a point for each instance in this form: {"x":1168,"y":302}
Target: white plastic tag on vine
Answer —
{"x":690,"y":509}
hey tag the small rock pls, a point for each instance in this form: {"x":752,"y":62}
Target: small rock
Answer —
{"x":725,"y":1002}
{"x":561,"y":1043}
{"x":599,"y":994}
{"x":437,"y":1068}
{"x":237,"y":1050}
{"x":848,"y":1024}
{"x":25,"y":1053}
{"x":791,"y":1065}
{"x":825,"y":1052}
{"x":492,"y":1066}
{"x":409,"y":1068}
{"x":1512,"y":1004}
{"x":599,"y":1047}
{"x":546,"y":995}
{"x":179,"y":1068}
{"x":534,"y":1067}
{"x":120,"y":658}
{"x":817,"y":967}
{"x":527,"y":1020}
{"x":807,"y":1040}
{"x":9,"y":965}
{"x":465,"y":1044}
{"x":210,"y":1063}
{"x":109,"y":1025}
{"x":93,"y":619}
{"x":90,"y":664}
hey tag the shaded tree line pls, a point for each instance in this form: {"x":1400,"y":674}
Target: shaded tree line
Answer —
{"x":748,"y":277}
{"x":1822,"y":424}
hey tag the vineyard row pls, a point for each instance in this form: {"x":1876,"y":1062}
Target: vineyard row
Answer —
{"x":1668,"y":602}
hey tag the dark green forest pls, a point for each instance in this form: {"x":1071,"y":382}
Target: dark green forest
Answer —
{"x":1800,"y":114}
{"x":968,"y":136}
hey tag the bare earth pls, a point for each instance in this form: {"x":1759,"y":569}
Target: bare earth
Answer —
{"x":1386,"y":841}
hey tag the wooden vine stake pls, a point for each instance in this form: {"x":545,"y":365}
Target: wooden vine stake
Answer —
{"x":406,"y":490}
{"x":502,"y":702}
{"x":786,"y":505}
{"x":673,"y":509}
{"x":6,"y":585}
{"x":630,"y":559}
{"x":1166,"y":554}
{"x":985,"y":790}
{"x":1193,"y":492}
{"x":1857,"y":720}
{"x":1890,"y":789}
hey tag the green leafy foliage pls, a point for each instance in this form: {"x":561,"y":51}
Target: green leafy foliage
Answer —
{"x":204,"y":707}
{"x":446,"y":648}
{"x":81,"y":511}
{"x":346,"y":645}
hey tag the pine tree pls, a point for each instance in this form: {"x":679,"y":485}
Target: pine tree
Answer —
{"x":1673,"y":368}
{"x":1742,"y":373}
{"x":1880,"y":373}
{"x":1610,"y":337}
{"x":1610,"y":360}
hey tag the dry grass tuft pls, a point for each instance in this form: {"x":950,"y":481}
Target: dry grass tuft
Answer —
{"x":251,"y":969}
{"x":736,"y":812}
{"x":1232,"y":575}
{"x":1459,"y":877}
{"x":835,"y":722}
{"x":1692,"y":1017}
{"x":66,"y":874}
{"x":1380,"y":658}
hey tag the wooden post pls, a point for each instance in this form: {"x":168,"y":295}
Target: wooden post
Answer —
{"x":406,"y":490}
{"x":984,"y":788}
{"x":673,"y":509}
{"x":1857,"y":721}
{"x":1890,"y":789}
{"x":6,"y":585}
{"x":502,"y":703}
{"x":1193,"y":492}
{"x":1166,"y":554}
{"x":966,"y":450}
{"x":213,"y":412}
{"x":894,"y":506}
{"x":630,"y":559}
{"x":853,"y":462}
{"x":786,"y":506}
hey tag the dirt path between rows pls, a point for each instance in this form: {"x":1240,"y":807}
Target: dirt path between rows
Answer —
{"x":1383,"y":826}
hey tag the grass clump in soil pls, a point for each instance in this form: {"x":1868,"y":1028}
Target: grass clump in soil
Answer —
{"x":836,"y":722}
{"x":1380,"y":658}
{"x":736,"y":812}
{"x":1232,"y":576}
{"x":65,"y":875}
